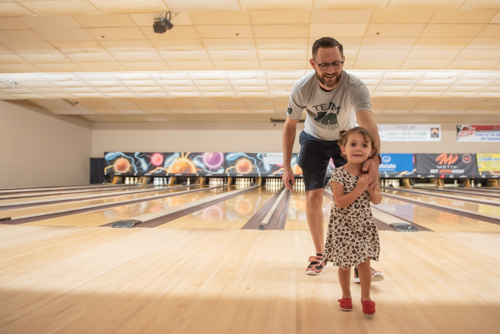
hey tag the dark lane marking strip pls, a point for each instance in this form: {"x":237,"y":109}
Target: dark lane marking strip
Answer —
{"x":419,"y":193}
{"x":90,"y":198}
{"x":175,"y":215}
{"x":278,"y":218}
{"x":84,"y":210}
{"x":254,"y":222}
{"x":470,"y":215}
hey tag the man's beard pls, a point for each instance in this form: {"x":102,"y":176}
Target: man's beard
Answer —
{"x":323,"y":81}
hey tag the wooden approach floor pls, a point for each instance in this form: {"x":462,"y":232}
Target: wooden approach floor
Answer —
{"x":56,"y":279}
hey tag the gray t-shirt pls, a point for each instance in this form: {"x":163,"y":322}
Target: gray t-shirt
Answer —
{"x":328,"y":112}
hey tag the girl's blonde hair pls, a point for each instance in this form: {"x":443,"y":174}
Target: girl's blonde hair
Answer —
{"x":367,"y":135}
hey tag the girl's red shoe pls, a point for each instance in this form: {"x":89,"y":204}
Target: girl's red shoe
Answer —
{"x":368,"y":306}
{"x":346,"y":304}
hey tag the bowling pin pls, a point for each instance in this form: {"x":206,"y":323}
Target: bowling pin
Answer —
{"x":472,"y":183}
{"x":188,"y":181}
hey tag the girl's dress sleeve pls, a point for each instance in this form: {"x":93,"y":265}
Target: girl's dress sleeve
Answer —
{"x":337,"y":176}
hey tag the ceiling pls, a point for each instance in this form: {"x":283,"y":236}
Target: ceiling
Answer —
{"x":237,"y":60}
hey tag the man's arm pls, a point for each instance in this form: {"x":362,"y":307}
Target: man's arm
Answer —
{"x":289,"y":131}
{"x":365,"y":119}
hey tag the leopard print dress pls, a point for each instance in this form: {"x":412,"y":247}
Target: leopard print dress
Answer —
{"x":352,"y":233}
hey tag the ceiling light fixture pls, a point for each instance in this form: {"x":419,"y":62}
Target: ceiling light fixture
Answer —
{"x":162,"y":24}
{"x":8,"y":83}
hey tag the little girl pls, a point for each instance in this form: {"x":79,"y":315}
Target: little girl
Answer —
{"x":352,"y":234}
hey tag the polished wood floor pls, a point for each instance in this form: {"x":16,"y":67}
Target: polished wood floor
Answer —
{"x":202,"y":274}
{"x":102,"y":280}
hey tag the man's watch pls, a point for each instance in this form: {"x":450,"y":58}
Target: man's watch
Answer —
{"x":379,"y":157}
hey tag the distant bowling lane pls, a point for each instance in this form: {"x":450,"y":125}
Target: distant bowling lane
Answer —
{"x":452,"y":203}
{"x":297,"y":219}
{"x":35,"y":210}
{"x":231,"y":214}
{"x":435,"y":219}
{"x":70,"y":195}
{"x":106,"y":216}
{"x":475,"y":195}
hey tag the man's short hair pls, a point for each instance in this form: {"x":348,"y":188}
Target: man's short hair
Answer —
{"x":326,"y":42}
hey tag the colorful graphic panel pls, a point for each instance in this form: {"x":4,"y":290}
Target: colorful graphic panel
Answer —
{"x":446,"y":165}
{"x":395,"y":164}
{"x":135,"y":163}
{"x":489,"y":164}
{"x":194,"y":163}
{"x":478,"y":133}
{"x":176,"y":163}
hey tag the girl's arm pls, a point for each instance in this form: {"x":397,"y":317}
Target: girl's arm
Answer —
{"x":374,"y":192}
{"x":343,"y":200}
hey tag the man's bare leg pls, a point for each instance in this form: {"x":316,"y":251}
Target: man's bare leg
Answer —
{"x":315,"y":219}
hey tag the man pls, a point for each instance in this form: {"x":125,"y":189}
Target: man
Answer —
{"x":334,"y":101}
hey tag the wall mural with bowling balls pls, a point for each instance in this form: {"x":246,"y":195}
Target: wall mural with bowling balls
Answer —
{"x":199,"y":163}
{"x":137,"y":163}
{"x":194,"y":163}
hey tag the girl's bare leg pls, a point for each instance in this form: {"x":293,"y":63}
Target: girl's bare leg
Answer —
{"x":345,"y":281}
{"x":365,"y":277}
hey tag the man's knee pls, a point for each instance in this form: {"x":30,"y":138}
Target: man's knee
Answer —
{"x":315,"y":198}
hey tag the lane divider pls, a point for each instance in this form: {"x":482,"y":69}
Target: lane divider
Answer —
{"x":254,"y":222}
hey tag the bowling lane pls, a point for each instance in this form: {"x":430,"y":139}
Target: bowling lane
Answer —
{"x":451,"y":203}
{"x":72,"y":195}
{"x":231,"y":214}
{"x":106,"y":216}
{"x":446,"y":193}
{"x":296,"y":218}
{"x":36,"y":210}
{"x":49,"y":189}
{"x":435,"y":220}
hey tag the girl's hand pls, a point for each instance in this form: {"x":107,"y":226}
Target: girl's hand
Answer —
{"x":364,"y":181}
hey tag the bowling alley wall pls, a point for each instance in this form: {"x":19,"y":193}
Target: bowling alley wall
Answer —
{"x":243,"y":137}
{"x":39,"y":148}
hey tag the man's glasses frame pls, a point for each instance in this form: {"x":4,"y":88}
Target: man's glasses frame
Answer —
{"x":325,"y":66}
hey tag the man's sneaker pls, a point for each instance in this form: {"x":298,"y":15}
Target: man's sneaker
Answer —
{"x":368,"y":307}
{"x":346,"y":304}
{"x":316,"y":266}
{"x":377,"y":276}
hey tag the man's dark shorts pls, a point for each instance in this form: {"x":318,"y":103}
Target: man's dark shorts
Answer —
{"x":314,"y":157}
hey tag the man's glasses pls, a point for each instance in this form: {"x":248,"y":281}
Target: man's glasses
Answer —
{"x":325,"y":66}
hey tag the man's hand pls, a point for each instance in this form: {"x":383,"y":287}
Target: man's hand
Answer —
{"x":371,"y":167}
{"x":287,"y":177}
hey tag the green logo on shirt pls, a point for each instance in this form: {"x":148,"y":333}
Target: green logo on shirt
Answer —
{"x":327,"y":121}
{"x":289,"y":111}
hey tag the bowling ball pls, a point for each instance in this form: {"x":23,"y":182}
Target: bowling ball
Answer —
{"x":244,"y":166}
{"x":182,"y":166}
{"x":213,"y":160}
{"x":121,"y":165}
{"x":157,"y":159}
